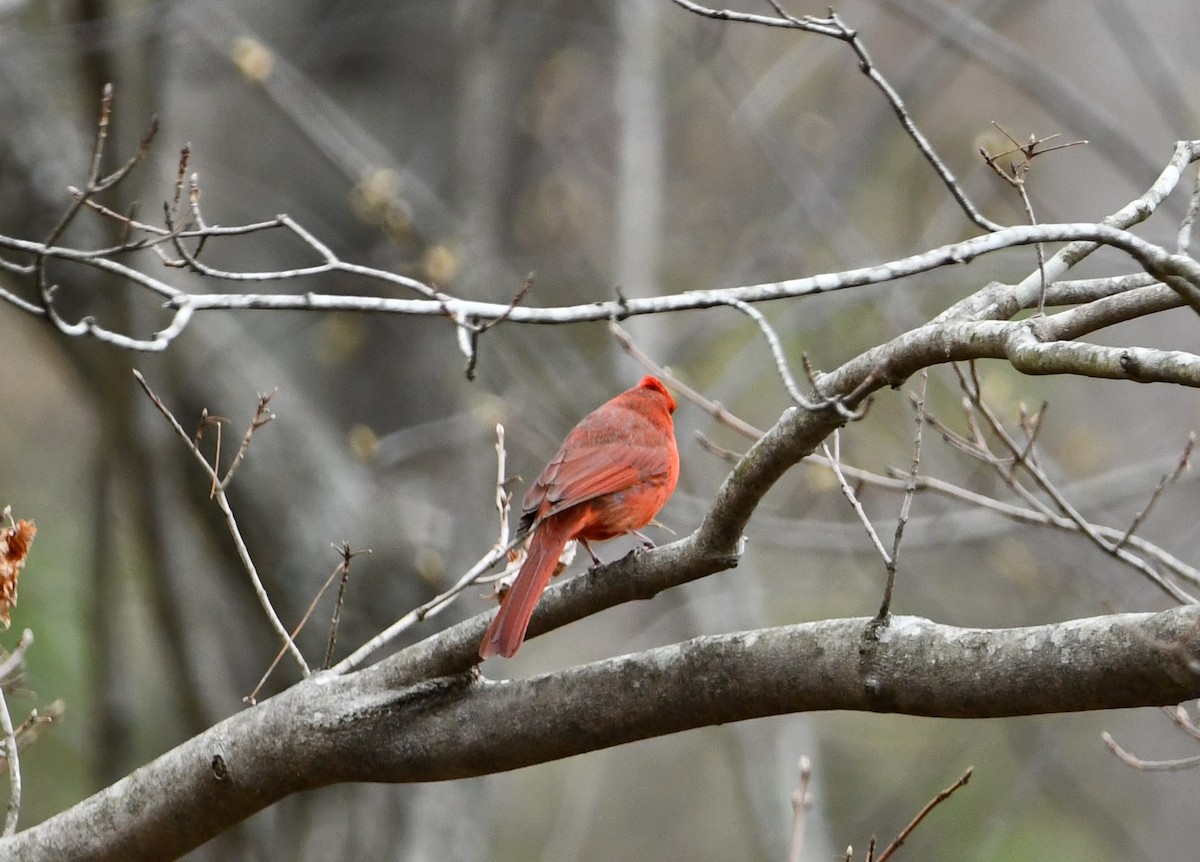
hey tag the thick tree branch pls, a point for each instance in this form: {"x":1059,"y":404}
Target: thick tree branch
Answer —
{"x":368,"y":727}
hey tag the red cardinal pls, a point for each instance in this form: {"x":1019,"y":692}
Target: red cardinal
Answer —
{"x":612,"y":474}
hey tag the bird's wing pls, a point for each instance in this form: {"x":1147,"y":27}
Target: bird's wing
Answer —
{"x":577,"y":475}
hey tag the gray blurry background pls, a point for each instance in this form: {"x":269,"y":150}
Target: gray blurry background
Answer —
{"x":599,"y":144}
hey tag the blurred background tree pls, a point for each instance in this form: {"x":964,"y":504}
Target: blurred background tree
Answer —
{"x":601,"y":145}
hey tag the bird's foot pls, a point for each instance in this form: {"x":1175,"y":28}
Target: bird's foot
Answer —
{"x":645,"y":539}
{"x":596,"y":562}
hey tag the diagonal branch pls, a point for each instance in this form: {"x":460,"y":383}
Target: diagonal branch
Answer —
{"x":222,"y":501}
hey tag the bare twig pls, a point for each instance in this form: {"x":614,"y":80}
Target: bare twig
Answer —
{"x":217,"y":422}
{"x":1149,"y":765}
{"x":729,"y":456}
{"x":834,"y":27}
{"x":344,"y":569}
{"x":13,"y":811}
{"x":1035,"y":512}
{"x":833,"y":458}
{"x":28,"y":730}
{"x":1165,"y":482}
{"x":500,"y":551}
{"x":231,"y":523}
{"x":776,"y":348}
{"x":427,"y":609}
{"x":1036,"y":516}
{"x":906,"y":506}
{"x":503,"y":495}
{"x":801,"y":804}
{"x":1181,"y":274}
{"x":15,"y":659}
{"x":1180,"y":717}
{"x":1015,"y":176}
{"x":923,"y":813}
{"x":808,"y":22}
{"x":96,"y":182}
{"x":1023,"y":456}
{"x":262,"y":415}
{"x":10,"y":749}
{"x":470,"y":331}
{"x":1039,"y":249}
{"x":713,"y":408}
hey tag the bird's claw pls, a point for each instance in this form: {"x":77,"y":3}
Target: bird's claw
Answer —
{"x":646,"y":541}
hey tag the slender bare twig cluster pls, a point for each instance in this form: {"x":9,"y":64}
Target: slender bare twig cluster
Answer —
{"x":1019,"y":467}
{"x":501,"y":550}
{"x":1014,"y":173}
{"x":218,"y":485}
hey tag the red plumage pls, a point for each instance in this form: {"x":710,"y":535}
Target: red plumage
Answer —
{"x":613,"y":473}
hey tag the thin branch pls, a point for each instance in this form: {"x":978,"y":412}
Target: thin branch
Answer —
{"x":1039,"y":517}
{"x":1038,"y":249}
{"x":906,"y":506}
{"x":13,"y":661}
{"x":1149,"y":765}
{"x":231,"y":523}
{"x":715,"y":409}
{"x":262,"y":415}
{"x":344,"y":568}
{"x":500,"y":551}
{"x":833,"y":458}
{"x":13,"y":757}
{"x":1165,"y":482}
{"x":1179,"y":272}
{"x":834,"y":27}
{"x":95,"y":184}
{"x":1022,"y":458}
{"x":425,"y":610}
{"x":1181,"y":719}
{"x":1015,"y":175}
{"x":802,"y":803}
{"x":11,"y":753}
{"x":1036,"y":512}
{"x":776,"y":348}
{"x":923,"y":813}
{"x":808,"y":23}
{"x":98,"y":141}
{"x":30,"y":729}
{"x":470,"y":332}
{"x":503,"y":495}
{"x":729,"y":456}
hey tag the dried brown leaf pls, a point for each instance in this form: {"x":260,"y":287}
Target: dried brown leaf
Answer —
{"x":14,"y":548}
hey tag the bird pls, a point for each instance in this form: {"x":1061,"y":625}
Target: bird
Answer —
{"x":613,"y":473}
